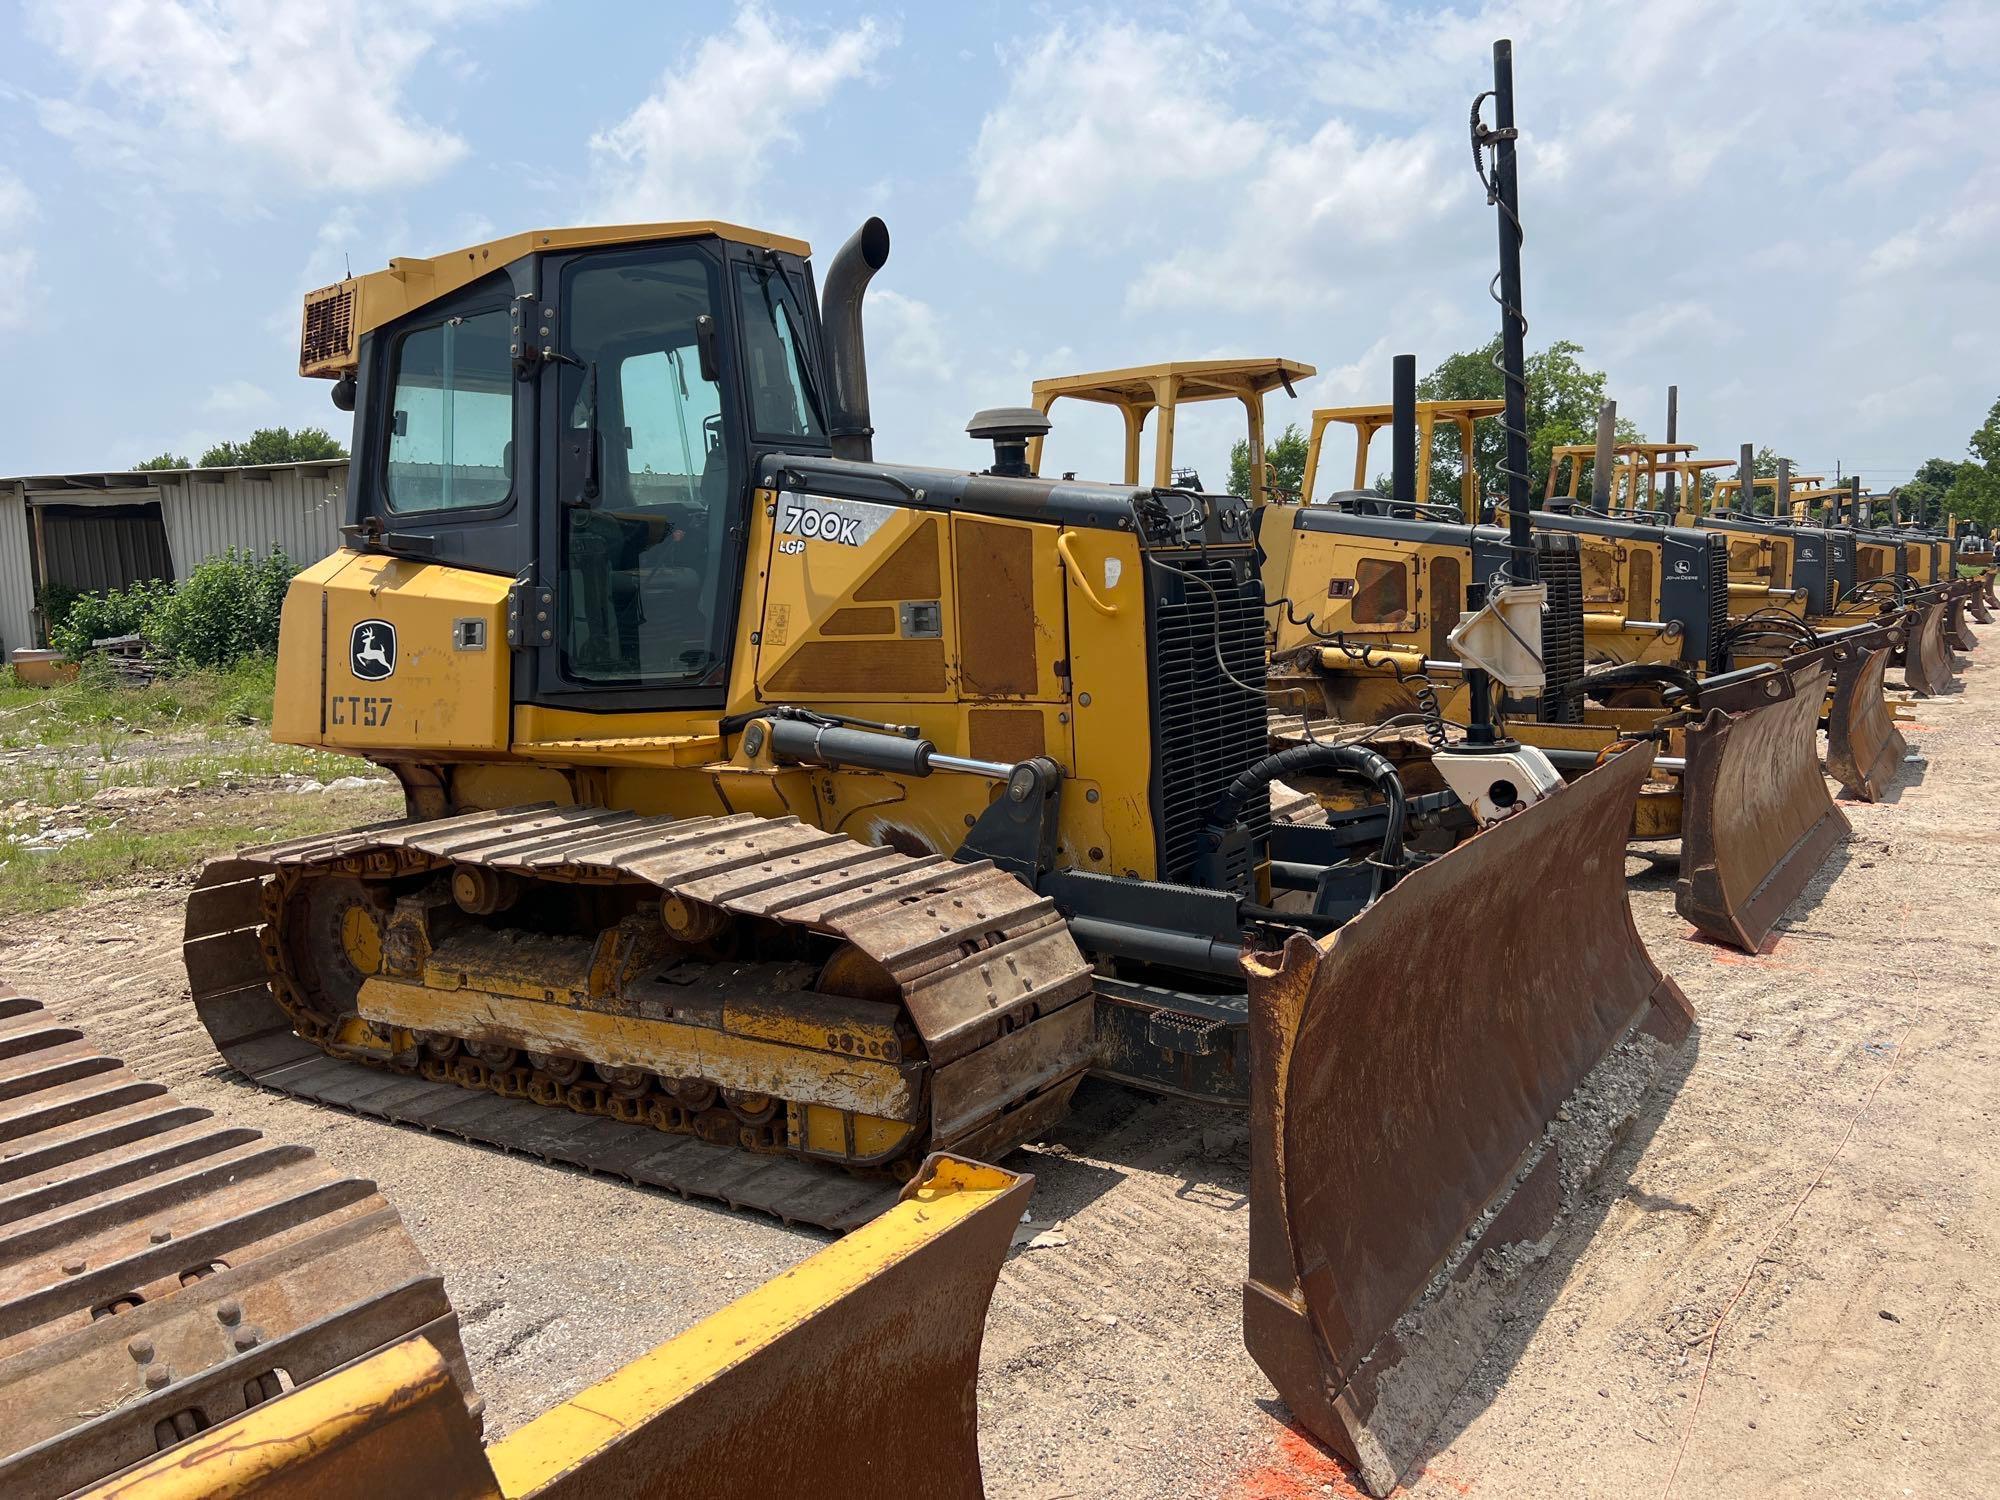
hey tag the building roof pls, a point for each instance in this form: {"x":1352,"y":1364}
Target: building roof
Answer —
{"x":136,"y":479}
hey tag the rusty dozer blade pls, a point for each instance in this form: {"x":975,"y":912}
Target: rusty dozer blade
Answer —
{"x":1864,"y":750}
{"x":1756,"y":820}
{"x":1956,"y":632}
{"x":1432,"y":1088}
{"x":850,"y":1376}
{"x":1926,"y":655}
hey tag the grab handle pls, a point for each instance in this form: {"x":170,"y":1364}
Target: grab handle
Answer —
{"x":1082,"y":580}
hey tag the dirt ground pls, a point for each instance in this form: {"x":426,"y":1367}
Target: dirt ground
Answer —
{"x":1790,"y":1289}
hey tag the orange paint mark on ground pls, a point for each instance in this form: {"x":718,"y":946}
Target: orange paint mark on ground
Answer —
{"x":1297,"y":1469}
{"x":1723,"y":953}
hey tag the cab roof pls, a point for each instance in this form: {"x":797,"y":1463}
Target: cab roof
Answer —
{"x":337,"y":316}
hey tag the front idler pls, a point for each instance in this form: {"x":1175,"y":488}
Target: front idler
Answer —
{"x":1426,"y":1114}
{"x":1756,"y":820}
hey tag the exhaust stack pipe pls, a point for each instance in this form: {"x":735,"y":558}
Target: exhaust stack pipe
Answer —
{"x":1604,"y":457}
{"x":849,"y":421}
{"x":1403,"y":430}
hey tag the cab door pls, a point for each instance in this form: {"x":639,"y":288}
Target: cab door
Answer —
{"x":644,"y":472}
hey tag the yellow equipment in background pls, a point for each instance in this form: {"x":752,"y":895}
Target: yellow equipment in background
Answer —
{"x":1368,"y":593}
{"x":1367,"y":421}
{"x":1144,"y":392}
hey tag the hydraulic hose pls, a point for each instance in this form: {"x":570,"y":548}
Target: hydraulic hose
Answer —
{"x":1643,"y":674}
{"x":1355,"y":762}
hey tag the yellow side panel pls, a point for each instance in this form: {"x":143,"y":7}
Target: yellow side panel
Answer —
{"x":1328,"y":575}
{"x":1113,"y":716}
{"x":379,"y":653}
{"x":1009,"y":587}
{"x":858,"y":604}
{"x":296,"y":712}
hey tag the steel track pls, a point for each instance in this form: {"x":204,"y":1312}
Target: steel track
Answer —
{"x":975,"y":954}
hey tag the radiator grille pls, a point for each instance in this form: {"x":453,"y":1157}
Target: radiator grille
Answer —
{"x":1208,"y":728}
{"x":1718,"y":601}
{"x":1562,"y":627}
{"x":328,"y":335}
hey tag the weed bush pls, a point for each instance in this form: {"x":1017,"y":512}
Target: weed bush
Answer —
{"x":93,"y":617}
{"x":55,"y":601}
{"x":225,"y":612}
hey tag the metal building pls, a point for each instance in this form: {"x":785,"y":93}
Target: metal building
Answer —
{"x":108,"y":530}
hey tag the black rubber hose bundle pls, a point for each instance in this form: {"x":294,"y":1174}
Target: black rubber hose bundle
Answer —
{"x":1355,"y":762}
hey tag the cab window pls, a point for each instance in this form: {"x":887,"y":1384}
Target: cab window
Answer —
{"x":1381,"y":592}
{"x":648,"y":480}
{"x":784,"y":401}
{"x":451,"y":424}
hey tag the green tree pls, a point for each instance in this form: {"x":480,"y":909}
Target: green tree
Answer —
{"x":274,"y":445}
{"x":1284,"y":464}
{"x":1975,"y":489}
{"x":1563,"y":400}
{"x":164,"y":461}
{"x":1924,"y":496}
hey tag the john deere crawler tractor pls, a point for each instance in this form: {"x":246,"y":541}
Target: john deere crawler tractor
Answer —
{"x":777,"y":815}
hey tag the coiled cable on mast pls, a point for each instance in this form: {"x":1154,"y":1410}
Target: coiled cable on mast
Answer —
{"x":1486,"y":139}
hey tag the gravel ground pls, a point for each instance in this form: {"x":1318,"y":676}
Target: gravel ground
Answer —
{"x":1818,"y":1176}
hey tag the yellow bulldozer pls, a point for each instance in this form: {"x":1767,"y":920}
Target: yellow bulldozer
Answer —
{"x":779,"y":816}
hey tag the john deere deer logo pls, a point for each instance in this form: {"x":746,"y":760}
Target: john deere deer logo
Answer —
{"x":372,"y":650}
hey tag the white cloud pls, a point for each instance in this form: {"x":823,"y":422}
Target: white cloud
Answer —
{"x":1939,"y":241}
{"x":1673,"y":324}
{"x":247,"y":97}
{"x":697,"y":147}
{"x":236,"y":398}
{"x":907,"y":337}
{"x":1312,"y":214}
{"x":1100,"y":130}
{"x":17,"y":256}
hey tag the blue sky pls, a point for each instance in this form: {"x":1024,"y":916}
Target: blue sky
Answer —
{"x":1789,"y":209}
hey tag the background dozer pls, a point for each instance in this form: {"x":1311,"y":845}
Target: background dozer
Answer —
{"x":777,"y":815}
{"x":1637,"y":639}
{"x":188,"y":1308}
{"x":1857,"y":632}
{"x":1846,"y":568}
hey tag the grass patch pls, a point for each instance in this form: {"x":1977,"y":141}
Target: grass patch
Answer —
{"x":64,"y":785}
{"x":113,"y":855}
{"x":97,"y":709}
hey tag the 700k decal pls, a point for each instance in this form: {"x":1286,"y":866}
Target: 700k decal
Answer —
{"x":821,"y":518}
